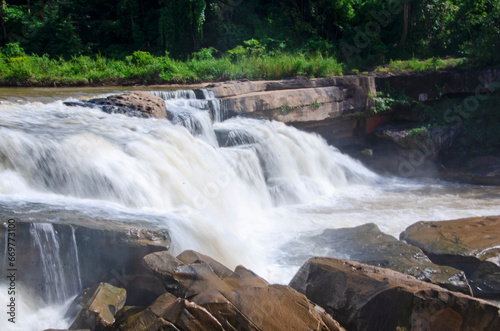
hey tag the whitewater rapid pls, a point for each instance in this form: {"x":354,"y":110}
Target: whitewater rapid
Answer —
{"x":243,"y":191}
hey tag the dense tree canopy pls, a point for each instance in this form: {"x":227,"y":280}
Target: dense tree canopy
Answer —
{"x":354,"y":30}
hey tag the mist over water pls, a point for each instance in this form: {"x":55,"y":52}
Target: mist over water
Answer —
{"x":243,"y":191}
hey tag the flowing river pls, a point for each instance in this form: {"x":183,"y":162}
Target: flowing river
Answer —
{"x":243,"y":191}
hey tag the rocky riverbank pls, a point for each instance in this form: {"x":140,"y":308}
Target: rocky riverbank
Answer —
{"x":395,"y":286}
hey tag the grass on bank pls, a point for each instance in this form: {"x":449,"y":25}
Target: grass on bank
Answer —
{"x":142,"y":67}
{"x":20,"y":69}
{"x":422,"y":65}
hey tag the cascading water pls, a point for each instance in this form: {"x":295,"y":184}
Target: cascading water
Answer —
{"x":61,"y":281}
{"x":243,"y":191}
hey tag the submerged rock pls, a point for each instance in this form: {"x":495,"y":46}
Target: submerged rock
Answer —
{"x":367,"y":244}
{"x":364,"y":297}
{"x":470,"y":244}
{"x":137,"y":103}
{"x":96,"y":307}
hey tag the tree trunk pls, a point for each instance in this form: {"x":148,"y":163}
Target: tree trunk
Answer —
{"x":404,"y":35}
{"x":2,"y":18}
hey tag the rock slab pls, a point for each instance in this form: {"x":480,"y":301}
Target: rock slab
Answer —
{"x":364,"y":297}
{"x":469,"y":244}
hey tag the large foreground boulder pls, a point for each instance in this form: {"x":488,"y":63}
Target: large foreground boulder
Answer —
{"x":469,"y":244}
{"x":137,"y":103}
{"x":209,"y":296}
{"x":367,"y":244}
{"x":364,"y":297}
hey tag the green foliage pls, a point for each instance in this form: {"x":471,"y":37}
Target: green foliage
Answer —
{"x":204,"y":54}
{"x":476,"y":122}
{"x":388,"y":99}
{"x":364,"y":34}
{"x":421,"y":131}
{"x":12,"y":50}
{"x":421,"y":65}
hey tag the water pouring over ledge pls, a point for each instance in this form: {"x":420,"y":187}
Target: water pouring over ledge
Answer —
{"x":243,"y":191}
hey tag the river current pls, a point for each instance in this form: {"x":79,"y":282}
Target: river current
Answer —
{"x":243,"y":191}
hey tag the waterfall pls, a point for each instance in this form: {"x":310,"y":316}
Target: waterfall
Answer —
{"x":77,"y":259}
{"x":243,"y":191}
{"x":57,"y":264}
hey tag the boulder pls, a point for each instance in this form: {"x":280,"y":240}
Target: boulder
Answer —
{"x":367,"y":244}
{"x":237,"y":299}
{"x":364,"y":297}
{"x":171,"y":313}
{"x":162,"y":264}
{"x":470,"y":244}
{"x":137,"y":103}
{"x":96,"y":307}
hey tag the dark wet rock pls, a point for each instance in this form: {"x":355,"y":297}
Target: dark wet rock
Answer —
{"x":415,"y":137}
{"x":434,"y":84}
{"x":96,"y":307}
{"x":364,"y":297}
{"x":89,"y":249}
{"x":137,"y":103}
{"x":481,"y":170}
{"x":162,"y":264}
{"x":469,"y":244}
{"x":142,"y":289}
{"x":367,"y":244}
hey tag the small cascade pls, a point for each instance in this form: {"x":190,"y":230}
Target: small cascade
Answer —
{"x":77,"y":259}
{"x":57,"y":268}
{"x":217,"y":108}
{"x":297,"y":167}
{"x":183,"y":108}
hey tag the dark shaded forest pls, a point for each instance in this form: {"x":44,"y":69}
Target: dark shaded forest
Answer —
{"x":367,"y":32}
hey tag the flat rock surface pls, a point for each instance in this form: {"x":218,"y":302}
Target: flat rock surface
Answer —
{"x":367,"y":244}
{"x":364,"y":297}
{"x":470,"y":244}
